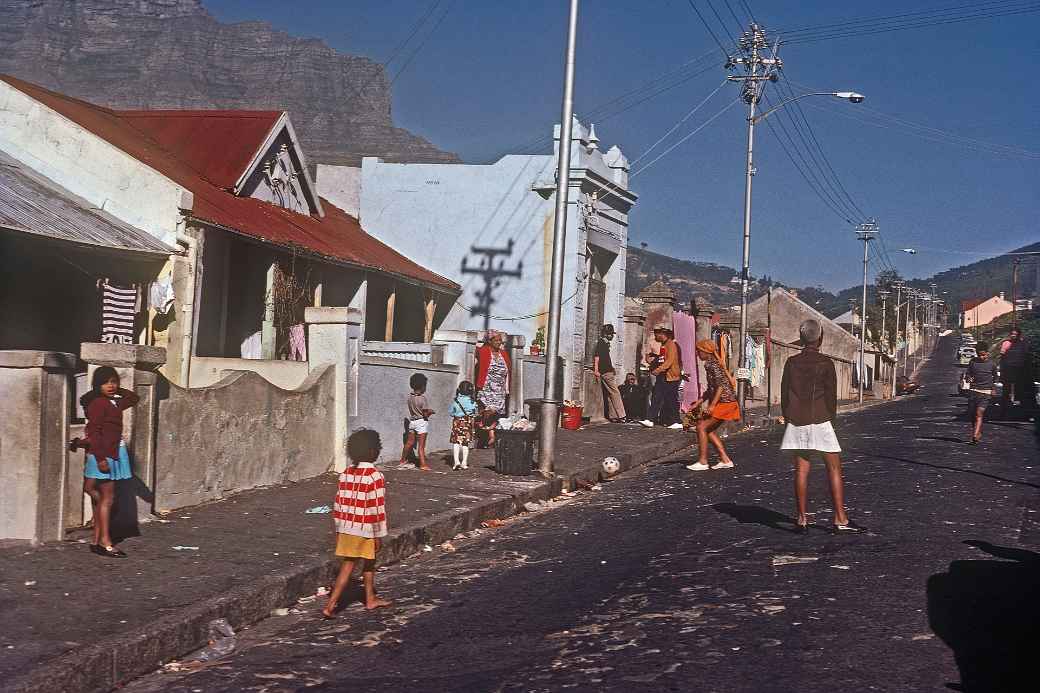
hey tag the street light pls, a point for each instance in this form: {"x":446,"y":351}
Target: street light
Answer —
{"x":760,"y":65}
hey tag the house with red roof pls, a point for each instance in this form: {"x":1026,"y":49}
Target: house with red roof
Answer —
{"x":210,"y":217}
{"x":983,"y":311}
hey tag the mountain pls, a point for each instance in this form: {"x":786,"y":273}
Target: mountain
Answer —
{"x":690,"y":279}
{"x":174,"y":54}
{"x":987,"y":278}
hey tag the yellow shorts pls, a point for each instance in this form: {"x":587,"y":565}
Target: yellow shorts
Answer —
{"x":350,"y":546}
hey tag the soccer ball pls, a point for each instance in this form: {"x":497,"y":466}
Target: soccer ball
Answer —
{"x":611,"y":466}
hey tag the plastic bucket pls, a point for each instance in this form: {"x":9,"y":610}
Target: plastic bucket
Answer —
{"x":571,"y":419}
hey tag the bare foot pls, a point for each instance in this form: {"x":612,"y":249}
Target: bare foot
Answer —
{"x":377,"y":602}
{"x":329,"y":611}
{"x":425,"y":468}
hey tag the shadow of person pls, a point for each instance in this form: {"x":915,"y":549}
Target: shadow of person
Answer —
{"x":124,"y":520}
{"x":986,"y":611}
{"x":755,"y":514}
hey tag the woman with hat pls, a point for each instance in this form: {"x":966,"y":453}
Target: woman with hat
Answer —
{"x":722,"y":407}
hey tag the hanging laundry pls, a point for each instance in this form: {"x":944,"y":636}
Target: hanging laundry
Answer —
{"x":298,"y":343}
{"x":686,"y":337}
{"x":251,"y":346}
{"x":758,"y":370}
{"x":118,"y":309}
{"x":160,"y":295}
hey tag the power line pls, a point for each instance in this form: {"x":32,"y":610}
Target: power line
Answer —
{"x":401,"y":45}
{"x":747,"y":8}
{"x":722,"y":23}
{"x":923,"y":22}
{"x":933,"y":134}
{"x":686,"y":137}
{"x":679,"y":123}
{"x":815,"y":166}
{"x":411,"y":57}
{"x":823,"y":154}
{"x":708,"y":27}
{"x":904,"y":16}
{"x":628,"y":100}
{"x":808,"y":173}
{"x":740,"y":25}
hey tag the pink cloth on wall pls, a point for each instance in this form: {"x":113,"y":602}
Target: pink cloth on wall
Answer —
{"x":685,"y":327}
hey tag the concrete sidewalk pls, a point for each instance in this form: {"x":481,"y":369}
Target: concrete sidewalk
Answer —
{"x":73,"y":621}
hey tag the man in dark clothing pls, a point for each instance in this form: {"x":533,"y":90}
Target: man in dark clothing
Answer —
{"x":634,"y":396}
{"x":603,"y":369}
{"x":981,"y":376}
{"x":1014,"y":370}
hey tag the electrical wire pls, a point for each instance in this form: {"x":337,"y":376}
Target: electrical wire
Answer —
{"x":415,"y":52}
{"x":807,"y":172}
{"x":707,"y":26}
{"x":740,"y":25}
{"x":905,"y":128}
{"x":683,"y":139}
{"x":679,"y":123}
{"x":747,"y":8}
{"x":902,"y":16}
{"x":822,"y":152}
{"x":922,"y":22}
{"x":626,"y":101}
{"x":725,"y":29}
{"x":401,"y":45}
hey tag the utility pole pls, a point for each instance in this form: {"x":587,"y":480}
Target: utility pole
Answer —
{"x":899,"y":290}
{"x":1014,"y":292}
{"x":884,"y":294}
{"x":549,"y":419}
{"x":760,"y":65}
{"x":866,"y":233}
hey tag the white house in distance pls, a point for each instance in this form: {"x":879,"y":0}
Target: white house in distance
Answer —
{"x":978,"y":312}
{"x":489,"y":227}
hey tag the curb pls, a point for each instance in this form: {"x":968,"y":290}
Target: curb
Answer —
{"x":106,"y":665}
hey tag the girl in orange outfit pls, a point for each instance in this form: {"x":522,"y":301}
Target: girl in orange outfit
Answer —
{"x":722,"y":406}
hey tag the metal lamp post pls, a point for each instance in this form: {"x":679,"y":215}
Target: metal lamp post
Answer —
{"x":550,"y":406}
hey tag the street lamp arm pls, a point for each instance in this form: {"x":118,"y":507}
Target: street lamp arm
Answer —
{"x":847,"y":95}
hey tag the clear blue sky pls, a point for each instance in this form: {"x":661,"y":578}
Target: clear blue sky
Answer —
{"x":489,"y":78}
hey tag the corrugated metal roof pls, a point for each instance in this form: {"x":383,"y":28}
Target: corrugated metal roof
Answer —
{"x":217,"y":144}
{"x":337,"y":236}
{"x":33,"y":204}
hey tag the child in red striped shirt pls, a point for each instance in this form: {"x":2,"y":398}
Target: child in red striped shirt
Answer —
{"x":360,"y":515}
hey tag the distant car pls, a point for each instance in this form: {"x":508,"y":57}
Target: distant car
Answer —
{"x":965,"y":355}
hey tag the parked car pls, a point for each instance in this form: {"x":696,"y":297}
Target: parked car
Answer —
{"x":965,"y":354}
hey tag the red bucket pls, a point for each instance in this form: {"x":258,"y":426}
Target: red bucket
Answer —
{"x":571,"y":419}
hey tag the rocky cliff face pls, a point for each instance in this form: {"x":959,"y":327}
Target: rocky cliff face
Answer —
{"x":174,"y":54}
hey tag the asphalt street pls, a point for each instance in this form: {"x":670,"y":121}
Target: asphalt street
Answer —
{"x":674,"y":580}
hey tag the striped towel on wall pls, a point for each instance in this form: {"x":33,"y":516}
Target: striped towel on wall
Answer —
{"x":118,"y":308}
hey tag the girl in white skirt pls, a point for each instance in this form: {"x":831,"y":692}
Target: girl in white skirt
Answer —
{"x":809,"y":399}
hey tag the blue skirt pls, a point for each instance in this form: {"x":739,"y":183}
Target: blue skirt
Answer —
{"x":117,"y":469}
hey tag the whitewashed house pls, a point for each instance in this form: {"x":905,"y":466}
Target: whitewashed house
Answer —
{"x":489,"y":227}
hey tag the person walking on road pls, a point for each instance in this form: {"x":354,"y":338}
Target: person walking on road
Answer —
{"x":603,"y":370}
{"x":722,"y":407}
{"x":981,"y":376}
{"x":1014,"y":369}
{"x":667,"y":371}
{"x":809,"y":401}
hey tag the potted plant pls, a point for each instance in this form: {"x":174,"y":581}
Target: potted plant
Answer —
{"x":538,"y":343}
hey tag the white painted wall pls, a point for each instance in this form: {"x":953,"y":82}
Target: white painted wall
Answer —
{"x":88,"y":166}
{"x":436,"y":213}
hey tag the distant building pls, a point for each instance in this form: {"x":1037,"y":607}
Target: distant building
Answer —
{"x":489,"y":227}
{"x":983,"y":311}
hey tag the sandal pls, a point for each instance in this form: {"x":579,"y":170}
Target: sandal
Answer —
{"x":849,"y":527}
{"x":110,"y":552}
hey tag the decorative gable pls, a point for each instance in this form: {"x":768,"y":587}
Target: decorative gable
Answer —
{"x":278,"y":173}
